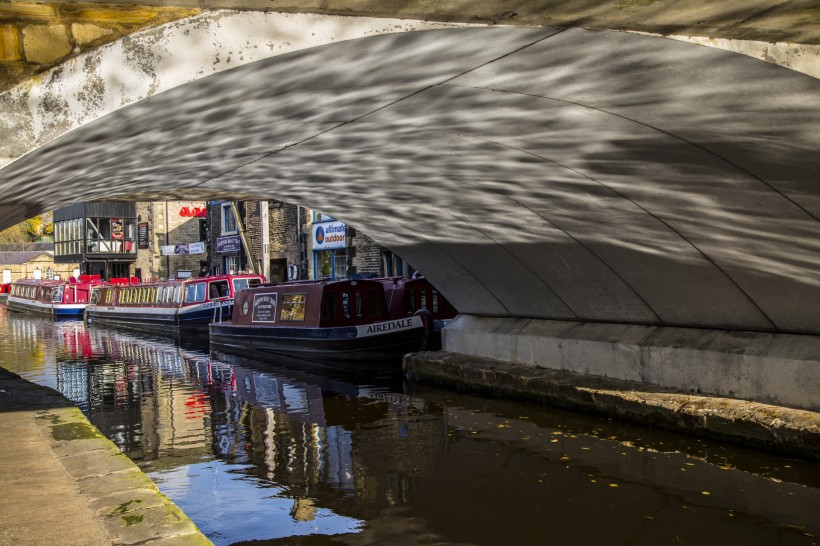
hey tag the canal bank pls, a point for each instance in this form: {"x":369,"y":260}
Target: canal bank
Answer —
{"x":774,"y":428}
{"x":65,"y":483}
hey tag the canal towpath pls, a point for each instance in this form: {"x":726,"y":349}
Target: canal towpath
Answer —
{"x":64,"y":483}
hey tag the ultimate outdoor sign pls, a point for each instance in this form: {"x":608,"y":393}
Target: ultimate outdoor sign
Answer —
{"x":329,"y":235}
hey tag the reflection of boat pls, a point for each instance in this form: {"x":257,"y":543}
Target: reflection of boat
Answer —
{"x":58,"y":298}
{"x":407,"y":296}
{"x":327,"y":320}
{"x":168,"y":307}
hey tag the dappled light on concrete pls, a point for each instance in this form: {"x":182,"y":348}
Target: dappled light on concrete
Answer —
{"x":547,"y":173}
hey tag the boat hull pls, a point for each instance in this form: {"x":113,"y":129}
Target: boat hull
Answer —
{"x":161,"y":320}
{"x":334,"y":344}
{"x":56,"y":310}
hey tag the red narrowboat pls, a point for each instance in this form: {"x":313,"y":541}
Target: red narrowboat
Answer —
{"x":325,"y":321}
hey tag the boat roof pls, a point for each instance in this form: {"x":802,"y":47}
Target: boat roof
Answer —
{"x":191,"y":280}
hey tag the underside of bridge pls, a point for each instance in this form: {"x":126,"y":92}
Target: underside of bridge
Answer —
{"x":542,"y":176}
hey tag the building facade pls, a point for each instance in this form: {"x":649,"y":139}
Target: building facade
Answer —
{"x":302,"y":243}
{"x":100,"y":236}
{"x":34,"y":264}
{"x":171,"y":239}
{"x":146,"y":240}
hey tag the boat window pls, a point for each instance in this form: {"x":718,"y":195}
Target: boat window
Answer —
{"x":195,"y":292}
{"x":423,"y":304}
{"x":410,"y":301}
{"x":373,"y":306}
{"x":346,"y":305}
{"x":359,"y":304}
{"x":293,"y":307}
{"x":57,"y":294}
{"x":435,"y":301}
{"x":329,"y":306}
{"x":239,"y":284}
{"x":218,"y":289}
{"x":177,"y":294}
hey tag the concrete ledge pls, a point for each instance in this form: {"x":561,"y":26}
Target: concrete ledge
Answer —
{"x":77,"y":477}
{"x":780,"y":369}
{"x":785,"y":430}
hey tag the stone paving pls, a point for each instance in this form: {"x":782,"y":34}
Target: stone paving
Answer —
{"x":785,"y":430}
{"x":63,"y":483}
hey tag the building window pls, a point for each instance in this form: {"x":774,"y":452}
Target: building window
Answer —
{"x":330,"y":264}
{"x":320,"y":217}
{"x":228,"y":220}
{"x":231,"y":264}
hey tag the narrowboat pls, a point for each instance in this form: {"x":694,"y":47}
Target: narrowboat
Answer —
{"x":168,"y":307}
{"x":326,"y":321}
{"x":5,"y":290}
{"x":407,"y":296}
{"x":57,"y":298}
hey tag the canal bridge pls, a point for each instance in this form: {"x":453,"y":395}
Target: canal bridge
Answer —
{"x":592,"y":185}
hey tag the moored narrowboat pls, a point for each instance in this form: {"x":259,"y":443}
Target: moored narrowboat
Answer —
{"x":57,"y":298}
{"x":407,"y":296}
{"x":168,"y":307}
{"x":327,"y":321}
{"x":5,"y":290}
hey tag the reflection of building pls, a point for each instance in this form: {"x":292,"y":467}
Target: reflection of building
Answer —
{"x":327,"y":442}
{"x":100,"y":236}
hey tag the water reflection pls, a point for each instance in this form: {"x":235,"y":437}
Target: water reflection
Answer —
{"x":279,"y":455}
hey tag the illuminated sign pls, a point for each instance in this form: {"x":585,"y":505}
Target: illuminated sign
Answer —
{"x":329,"y":235}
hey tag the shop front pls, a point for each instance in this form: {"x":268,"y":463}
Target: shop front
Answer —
{"x":329,"y":250}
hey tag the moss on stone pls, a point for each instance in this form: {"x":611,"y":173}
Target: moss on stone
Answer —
{"x":75,"y":431}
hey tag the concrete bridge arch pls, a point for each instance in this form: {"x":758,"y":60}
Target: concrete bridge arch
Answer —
{"x":626,"y":192}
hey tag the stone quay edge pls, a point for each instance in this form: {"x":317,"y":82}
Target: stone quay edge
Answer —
{"x":65,"y":483}
{"x":789,"y":431}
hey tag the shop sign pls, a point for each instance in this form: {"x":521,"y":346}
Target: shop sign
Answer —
{"x":328,"y":235}
{"x":193,"y":212}
{"x":142,"y":235}
{"x":228,"y":244}
{"x":264,"y":307}
{"x":183,"y":248}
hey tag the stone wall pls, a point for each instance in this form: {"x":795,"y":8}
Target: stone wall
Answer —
{"x":42,"y":262}
{"x":38,"y":36}
{"x":178,"y":229}
{"x":35,"y":36}
{"x":283,"y":233}
{"x":367,"y":256}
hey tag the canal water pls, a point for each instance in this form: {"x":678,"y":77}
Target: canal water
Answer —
{"x":282,"y":454}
